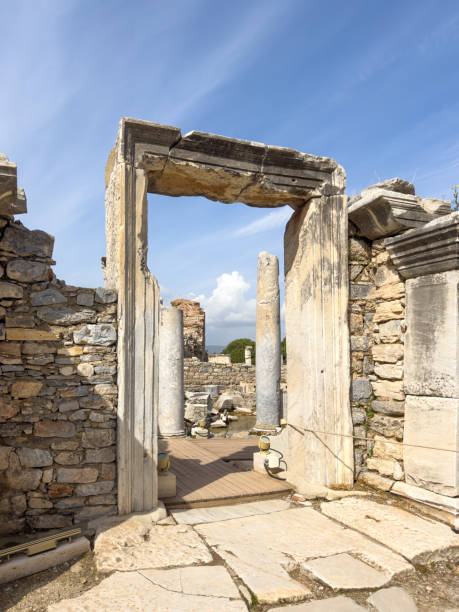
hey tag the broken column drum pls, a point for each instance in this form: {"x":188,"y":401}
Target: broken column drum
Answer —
{"x":268,"y":368}
{"x":248,"y":355}
{"x":171,"y":385}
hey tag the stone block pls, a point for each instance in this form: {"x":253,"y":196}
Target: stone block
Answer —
{"x":394,"y":599}
{"x":50,"y":521}
{"x":360,"y":343}
{"x":5,"y":456}
{"x":389,"y":371}
{"x":103,"y":334}
{"x":19,"y":319}
{"x":19,"y":240}
{"x":432,"y":336}
{"x":342,"y":571}
{"x":98,"y":438}
{"x":54,"y":429}
{"x":391,"y":331}
{"x":85,"y":298}
{"x":385,"y":467}
{"x":167,"y":485}
{"x":386,"y":311}
{"x":23,"y":480}
{"x":34,"y":457}
{"x":63,"y":315}
{"x":387,"y":426}
{"x":10,"y":290}
{"x":26,"y":388}
{"x":33,"y":335}
{"x":26,"y":271}
{"x":47,"y":297}
{"x":8,"y":409}
{"x":59,"y":490}
{"x":105,"y":296}
{"x":360,"y":389}
{"x":101,"y":455}
{"x":388,"y":389}
{"x":394,"y":291}
{"x":386,"y":450}
{"x":432,"y":422}
{"x":360,"y":291}
{"x":95,"y":488}
{"x":387,"y":353}
{"x":68,"y":458}
{"x":76,"y":475}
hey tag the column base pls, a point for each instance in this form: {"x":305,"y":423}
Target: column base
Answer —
{"x":173,"y":434}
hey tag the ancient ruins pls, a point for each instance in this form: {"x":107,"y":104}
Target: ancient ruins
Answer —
{"x":93,"y":381}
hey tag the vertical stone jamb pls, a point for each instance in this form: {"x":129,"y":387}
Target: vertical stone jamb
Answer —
{"x":268,"y":343}
{"x":171,"y":408}
{"x":318,"y":373}
{"x":138,"y":310}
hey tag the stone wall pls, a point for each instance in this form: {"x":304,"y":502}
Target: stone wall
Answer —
{"x":58,"y":400}
{"x":194,"y":328}
{"x":227,"y":376}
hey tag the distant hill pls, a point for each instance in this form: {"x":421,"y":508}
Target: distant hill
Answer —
{"x":215,"y":348}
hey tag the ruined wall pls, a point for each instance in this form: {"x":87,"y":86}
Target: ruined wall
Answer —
{"x":227,"y":376}
{"x":58,"y":390}
{"x":194,"y":328}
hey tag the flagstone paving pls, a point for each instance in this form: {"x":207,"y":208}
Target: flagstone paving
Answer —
{"x":413,"y":537}
{"x":280,"y":556}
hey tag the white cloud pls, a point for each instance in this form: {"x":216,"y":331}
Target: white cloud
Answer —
{"x":228,"y":305}
{"x":272,"y":220}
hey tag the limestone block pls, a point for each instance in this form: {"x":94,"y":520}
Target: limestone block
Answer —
{"x":373,"y":479}
{"x":63,"y":315}
{"x":389,"y":371}
{"x":440,"y":506}
{"x":167,"y":485}
{"x":415,"y":538}
{"x":391,"y":331}
{"x":385,"y":449}
{"x":52,"y":429}
{"x":8,"y":409}
{"x":394,"y":184}
{"x":38,"y":335}
{"x":385,"y":311}
{"x":387,"y":426}
{"x":10,"y":290}
{"x":432,"y":336}
{"x":26,"y":271}
{"x":432,"y":422}
{"x":85,"y":298}
{"x":5,"y":456}
{"x":387,"y":353}
{"x":100,"y":455}
{"x":105,"y":296}
{"x":98,"y":438}
{"x":337,"y":604}
{"x":394,"y":291}
{"x":47,"y":297}
{"x":19,"y":240}
{"x":12,"y":199}
{"x":95,"y":488}
{"x":360,"y":389}
{"x":360,"y":343}
{"x":381,"y":212}
{"x":360,"y":291}
{"x":389,"y":389}
{"x":78,"y":475}
{"x":70,"y":458}
{"x":342,"y":571}
{"x":394,"y":599}
{"x":50,"y":521}
{"x":386,"y":467}
{"x":386,"y":274}
{"x":34,"y":457}
{"x":26,"y":388}
{"x":103,"y":334}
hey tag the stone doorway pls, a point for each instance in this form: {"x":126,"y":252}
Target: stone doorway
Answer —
{"x":152,"y":158}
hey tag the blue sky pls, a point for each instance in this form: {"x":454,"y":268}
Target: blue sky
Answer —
{"x":372,"y":84}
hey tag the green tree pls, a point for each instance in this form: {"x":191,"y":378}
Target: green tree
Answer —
{"x":455,"y":198}
{"x":284,"y":349}
{"x":236,"y":349}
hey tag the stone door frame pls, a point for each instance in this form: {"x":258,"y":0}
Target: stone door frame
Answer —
{"x":153,"y":158}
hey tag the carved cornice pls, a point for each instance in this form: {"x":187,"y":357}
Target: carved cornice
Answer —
{"x":431,"y":249}
{"x":380,"y":213}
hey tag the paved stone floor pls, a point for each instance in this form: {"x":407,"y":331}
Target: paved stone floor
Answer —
{"x":343,"y":555}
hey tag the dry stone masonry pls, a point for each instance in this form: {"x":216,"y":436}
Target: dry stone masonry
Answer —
{"x":194,"y":328}
{"x":58,"y":390}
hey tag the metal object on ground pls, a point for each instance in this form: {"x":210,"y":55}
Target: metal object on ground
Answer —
{"x":37,"y":546}
{"x":264,"y":444}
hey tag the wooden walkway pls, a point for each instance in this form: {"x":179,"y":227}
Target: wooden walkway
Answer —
{"x":205,"y":478}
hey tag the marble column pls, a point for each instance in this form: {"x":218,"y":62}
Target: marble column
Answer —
{"x":248,"y":355}
{"x":171,"y":386}
{"x":268,"y":343}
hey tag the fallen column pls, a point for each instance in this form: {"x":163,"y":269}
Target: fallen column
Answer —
{"x":171,"y":385}
{"x":268,"y":348}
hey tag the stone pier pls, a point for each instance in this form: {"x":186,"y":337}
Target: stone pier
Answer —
{"x":268,"y":343}
{"x":171,"y":390}
{"x":248,"y":355}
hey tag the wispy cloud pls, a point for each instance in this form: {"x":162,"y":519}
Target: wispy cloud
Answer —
{"x":274,"y":219}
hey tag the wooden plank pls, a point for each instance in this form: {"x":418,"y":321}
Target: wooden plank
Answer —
{"x":204,"y":479}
